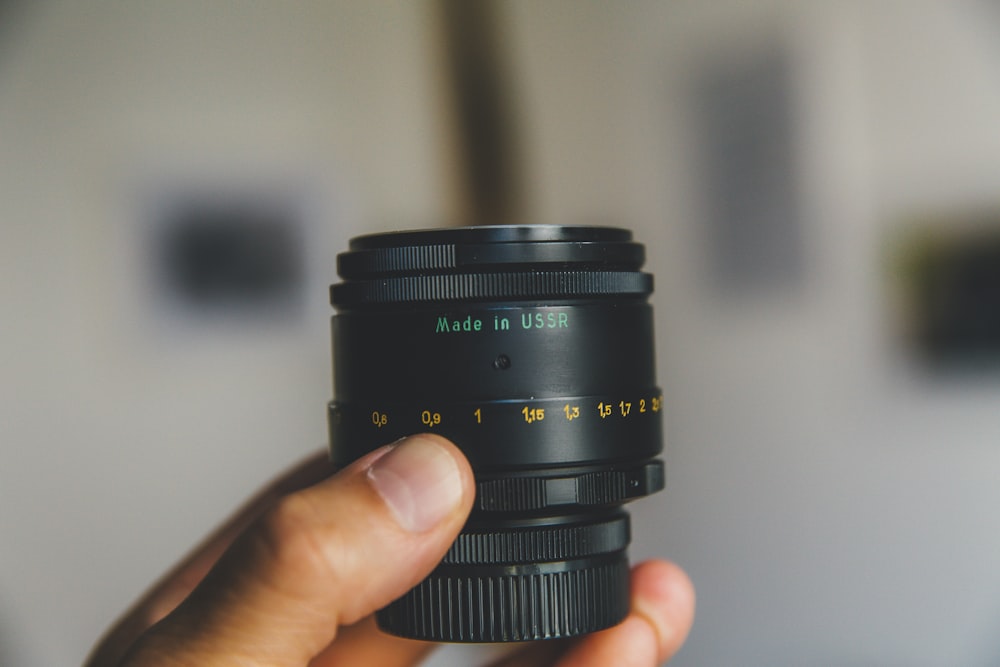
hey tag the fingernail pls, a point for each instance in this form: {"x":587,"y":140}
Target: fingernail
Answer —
{"x":419,"y":481}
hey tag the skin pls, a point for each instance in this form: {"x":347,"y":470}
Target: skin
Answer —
{"x":293,"y":579}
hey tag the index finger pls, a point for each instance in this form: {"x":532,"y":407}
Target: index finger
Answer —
{"x":323,"y":557}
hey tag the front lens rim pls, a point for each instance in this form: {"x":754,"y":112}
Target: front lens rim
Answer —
{"x":492,"y":234}
{"x":467,"y":263}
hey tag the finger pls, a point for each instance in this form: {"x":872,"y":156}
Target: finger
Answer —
{"x":364,"y":644}
{"x":178,"y":583}
{"x":322,"y":557}
{"x":662,"y":612}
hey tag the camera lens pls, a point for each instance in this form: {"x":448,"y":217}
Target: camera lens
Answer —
{"x":531,"y":348}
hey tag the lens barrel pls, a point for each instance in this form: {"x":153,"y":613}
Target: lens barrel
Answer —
{"x":531,"y":348}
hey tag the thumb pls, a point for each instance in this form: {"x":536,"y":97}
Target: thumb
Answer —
{"x":323,"y":557}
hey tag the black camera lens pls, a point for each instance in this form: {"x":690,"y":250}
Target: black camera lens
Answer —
{"x":531,"y":348}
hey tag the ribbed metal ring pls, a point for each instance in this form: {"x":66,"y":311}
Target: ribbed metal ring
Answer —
{"x":491,"y":286}
{"x":602,"y":487}
{"x":539,"y":603}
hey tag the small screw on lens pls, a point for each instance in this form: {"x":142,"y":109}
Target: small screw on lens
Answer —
{"x":501,"y":363}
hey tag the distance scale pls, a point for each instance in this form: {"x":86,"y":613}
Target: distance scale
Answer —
{"x":530,"y":412}
{"x":500,"y":426}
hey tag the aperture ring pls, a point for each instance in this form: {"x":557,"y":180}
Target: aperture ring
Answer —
{"x":532,"y":545}
{"x":603,"y":487}
{"x":492,"y":286}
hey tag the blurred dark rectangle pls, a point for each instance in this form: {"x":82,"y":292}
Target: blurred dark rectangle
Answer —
{"x":955,"y":297}
{"x":746,"y":140}
{"x":225,"y":254}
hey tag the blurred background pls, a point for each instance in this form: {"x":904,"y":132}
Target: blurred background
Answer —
{"x":817,"y":185}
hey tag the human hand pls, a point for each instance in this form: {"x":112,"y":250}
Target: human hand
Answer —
{"x":294,"y":578}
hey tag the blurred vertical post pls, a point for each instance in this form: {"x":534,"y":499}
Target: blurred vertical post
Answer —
{"x":487,"y":154}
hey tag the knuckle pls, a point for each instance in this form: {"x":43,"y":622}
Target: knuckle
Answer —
{"x":292,"y":535}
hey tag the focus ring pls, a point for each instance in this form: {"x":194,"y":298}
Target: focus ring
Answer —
{"x":492,"y":286}
{"x":536,"y":604}
{"x":603,"y":487}
{"x":526,"y":545}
